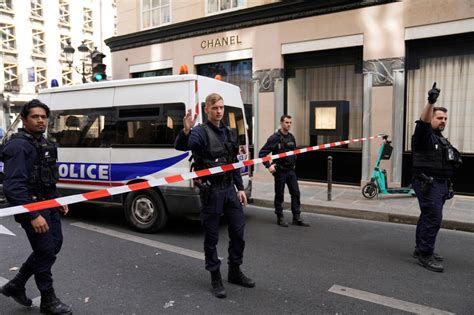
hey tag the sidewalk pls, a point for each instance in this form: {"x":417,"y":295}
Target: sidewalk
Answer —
{"x":347,"y":201}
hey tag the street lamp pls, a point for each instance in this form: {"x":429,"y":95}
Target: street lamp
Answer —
{"x":84,"y":50}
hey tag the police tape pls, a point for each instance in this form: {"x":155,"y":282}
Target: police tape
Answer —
{"x":62,"y":201}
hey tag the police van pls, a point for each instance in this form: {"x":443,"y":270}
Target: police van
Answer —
{"x":121,"y":132}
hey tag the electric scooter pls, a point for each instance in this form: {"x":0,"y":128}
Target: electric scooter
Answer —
{"x":378,"y":182}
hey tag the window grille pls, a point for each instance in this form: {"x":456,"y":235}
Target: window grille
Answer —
{"x":10,"y":73}
{"x":6,"y":5}
{"x":88,"y":22}
{"x":41,"y":80}
{"x":64,"y":17}
{"x":8,"y":38}
{"x":66,"y":76}
{"x":37,"y":9}
{"x":39,"y":44}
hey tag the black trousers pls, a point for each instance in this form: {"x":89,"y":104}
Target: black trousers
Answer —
{"x":45,"y":248}
{"x":282,"y":178}
{"x":223,"y":201}
{"x":431,"y":206}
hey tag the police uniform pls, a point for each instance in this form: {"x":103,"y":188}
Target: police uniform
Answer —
{"x":434,"y":162}
{"x":285,"y":171}
{"x":212,"y":146}
{"x":31,"y":174}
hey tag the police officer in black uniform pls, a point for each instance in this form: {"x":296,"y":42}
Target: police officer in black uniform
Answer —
{"x":213,"y":144}
{"x":283,"y":170}
{"x":434,"y":162}
{"x":31,"y":174}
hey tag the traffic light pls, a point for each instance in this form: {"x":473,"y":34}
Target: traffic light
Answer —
{"x":98,"y":67}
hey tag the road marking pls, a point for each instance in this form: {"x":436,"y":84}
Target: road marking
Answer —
{"x":141,"y":240}
{"x":4,"y":230}
{"x":387,"y":301}
{"x":36,"y":300}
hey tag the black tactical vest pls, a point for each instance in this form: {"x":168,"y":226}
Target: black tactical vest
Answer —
{"x":45,"y":173}
{"x":216,"y":154}
{"x":287,"y":143}
{"x":441,"y":161}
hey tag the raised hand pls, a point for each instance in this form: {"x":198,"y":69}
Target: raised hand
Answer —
{"x":189,"y":121}
{"x":433,"y":94}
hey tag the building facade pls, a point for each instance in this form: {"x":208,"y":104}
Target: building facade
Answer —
{"x":342,"y":69}
{"x":34,"y":34}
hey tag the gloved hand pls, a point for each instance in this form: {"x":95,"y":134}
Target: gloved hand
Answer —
{"x":433,"y":94}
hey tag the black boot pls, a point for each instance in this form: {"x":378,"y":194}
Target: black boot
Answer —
{"x":437,"y":257}
{"x":51,"y":305}
{"x":217,"y":286}
{"x":298,"y":221}
{"x":236,"y":276}
{"x":430,"y":263}
{"x":17,"y":291}
{"x":281,"y":220}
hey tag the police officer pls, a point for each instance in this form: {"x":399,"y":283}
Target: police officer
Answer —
{"x":31,"y":174}
{"x":434,"y":162}
{"x":283,"y":170}
{"x":213,"y":144}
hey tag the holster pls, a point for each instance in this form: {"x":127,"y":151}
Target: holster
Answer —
{"x":450,"y":190}
{"x":427,"y":182}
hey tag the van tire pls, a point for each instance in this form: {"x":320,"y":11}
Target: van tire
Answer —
{"x":145,"y":211}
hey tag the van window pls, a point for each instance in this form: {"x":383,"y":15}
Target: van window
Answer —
{"x":150,"y":125}
{"x":77,"y":128}
{"x":156,"y":125}
{"x":234,"y":118}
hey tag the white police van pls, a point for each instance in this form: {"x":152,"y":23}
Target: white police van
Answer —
{"x":122,"y":132}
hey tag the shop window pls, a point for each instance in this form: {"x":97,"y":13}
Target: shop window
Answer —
{"x":318,"y":92}
{"x":152,"y":73}
{"x":454,"y":75}
{"x":88,"y":22}
{"x":64,"y":14}
{"x":217,"y":6}
{"x":155,"y":13}
{"x":39,"y":45}
{"x":66,"y":76}
{"x":8,"y":38}
{"x":37,"y":9}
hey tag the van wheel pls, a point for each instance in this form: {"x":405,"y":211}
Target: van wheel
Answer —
{"x":145,"y":211}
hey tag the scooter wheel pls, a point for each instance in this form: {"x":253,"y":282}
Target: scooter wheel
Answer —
{"x":369,"y":191}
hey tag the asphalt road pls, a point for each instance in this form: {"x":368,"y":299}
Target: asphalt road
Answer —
{"x":105,"y":268}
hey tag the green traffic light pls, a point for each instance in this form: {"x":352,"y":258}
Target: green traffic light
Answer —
{"x":99,"y":77}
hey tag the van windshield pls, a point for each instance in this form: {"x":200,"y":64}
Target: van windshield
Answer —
{"x":234,"y":118}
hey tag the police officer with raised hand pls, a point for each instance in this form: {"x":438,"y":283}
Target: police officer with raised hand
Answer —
{"x":283,"y":170}
{"x":31,"y":174}
{"x":213,"y":144}
{"x":434,"y":162}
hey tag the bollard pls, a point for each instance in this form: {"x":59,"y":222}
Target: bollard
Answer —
{"x":329,"y":178}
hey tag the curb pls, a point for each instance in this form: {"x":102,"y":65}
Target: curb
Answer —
{"x":368,"y":215}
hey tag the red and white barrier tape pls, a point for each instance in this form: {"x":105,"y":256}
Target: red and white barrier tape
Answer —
{"x":61,"y":201}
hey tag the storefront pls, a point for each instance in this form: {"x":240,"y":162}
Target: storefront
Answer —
{"x":363,"y":75}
